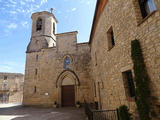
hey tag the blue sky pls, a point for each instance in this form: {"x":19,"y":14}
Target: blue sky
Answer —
{"x":15,"y":26}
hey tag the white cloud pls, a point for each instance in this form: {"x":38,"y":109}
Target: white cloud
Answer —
{"x":13,"y":2}
{"x":89,"y":2}
{"x":2,"y":8}
{"x":10,"y":5}
{"x":74,"y":9}
{"x":82,"y":1}
{"x":21,"y":10}
{"x":30,"y":0}
{"x":22,"y":3}
{"x":25,"y":24}
{"x":12,"y":12}
{"x":43,"y":2}
{"x":59,"y":12}
{"x":67,"y":11}
{"x":23,"y":7}
{"x":18,"y":10}
{"x":7,"y":32}
{"x":12,"y":26}
{"x":37,"y":6}
{"x":5,"y":68}
{"x":10,"y":63}
{"x":11,"y":66}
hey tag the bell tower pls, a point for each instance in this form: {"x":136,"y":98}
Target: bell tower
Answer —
{"x":44,"y":28}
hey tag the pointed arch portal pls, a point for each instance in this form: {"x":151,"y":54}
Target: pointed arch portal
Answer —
{"x":67,"y":85}
{"x":67,"y":73}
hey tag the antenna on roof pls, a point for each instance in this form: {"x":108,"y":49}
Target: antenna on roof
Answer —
{"x":52,"y":10}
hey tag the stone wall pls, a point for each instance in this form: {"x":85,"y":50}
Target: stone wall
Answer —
{"x":13,"y":87}
{"x":108,"y":65}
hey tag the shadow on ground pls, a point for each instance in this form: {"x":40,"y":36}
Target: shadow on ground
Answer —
{"x":32,"y":113}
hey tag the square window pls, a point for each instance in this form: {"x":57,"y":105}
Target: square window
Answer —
{"x":110,"y":37}
{"x":5,"y":77}
{"x":128,"y":84}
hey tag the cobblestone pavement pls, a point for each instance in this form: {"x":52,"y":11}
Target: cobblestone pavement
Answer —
{"x":32,"y":113}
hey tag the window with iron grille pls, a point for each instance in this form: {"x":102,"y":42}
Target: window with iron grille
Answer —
{"x":128,"y":83}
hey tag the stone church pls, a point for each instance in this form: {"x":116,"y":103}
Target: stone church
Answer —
{"x":57,"y":67}
{"x":62,"y":70}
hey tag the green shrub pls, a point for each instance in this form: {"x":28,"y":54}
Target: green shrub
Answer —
{"x":141,"y":79}
{"x":123,"y":113}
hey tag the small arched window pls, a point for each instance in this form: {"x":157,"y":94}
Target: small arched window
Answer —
{"x":53,"y":28}
{"x":67,"y":63}
{"x":39,"y":24}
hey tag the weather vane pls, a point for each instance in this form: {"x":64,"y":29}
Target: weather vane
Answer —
{"x":52,"y":10}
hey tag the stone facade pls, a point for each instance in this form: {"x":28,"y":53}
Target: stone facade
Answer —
{"x":11,"y":87}
{"x":96,"y":68}
{"x":46,"y":73}
{"x":107,"y":65}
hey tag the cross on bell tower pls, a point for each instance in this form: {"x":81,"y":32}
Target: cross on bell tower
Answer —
{"x":52,"y":9}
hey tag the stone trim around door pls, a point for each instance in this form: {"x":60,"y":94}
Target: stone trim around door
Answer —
{"x":60,"y":83}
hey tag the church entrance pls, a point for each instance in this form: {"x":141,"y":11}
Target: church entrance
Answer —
{"x":68,"y":88}
{"x":68,"y":95}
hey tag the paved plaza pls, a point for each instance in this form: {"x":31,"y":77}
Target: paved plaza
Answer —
{"x":18,"y":112}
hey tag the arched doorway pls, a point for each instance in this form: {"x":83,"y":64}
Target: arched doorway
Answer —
{"x":67,"y":85}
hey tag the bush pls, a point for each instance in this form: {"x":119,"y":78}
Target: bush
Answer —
{"x":141,"y":79}
{"x":123,"y":113}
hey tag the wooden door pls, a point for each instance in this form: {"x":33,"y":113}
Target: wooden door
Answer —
{"x":68,"y":95}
